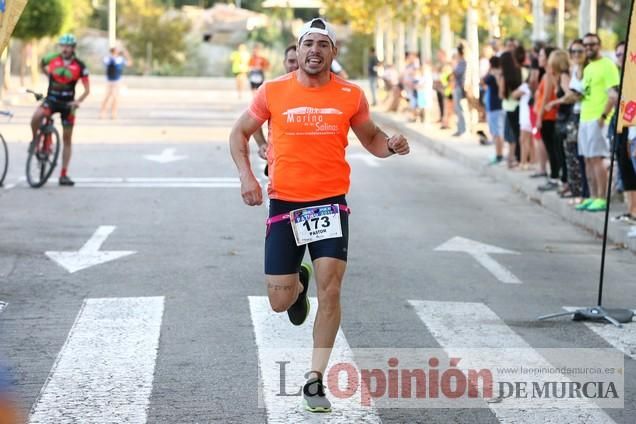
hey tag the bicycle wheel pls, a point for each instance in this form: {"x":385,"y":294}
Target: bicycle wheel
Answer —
{"x":4,"y":159}
{"x":42,"y":157}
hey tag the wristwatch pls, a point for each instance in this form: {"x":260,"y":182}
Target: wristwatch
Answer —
{"x":604,"y":116}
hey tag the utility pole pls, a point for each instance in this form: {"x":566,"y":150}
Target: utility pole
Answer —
{"x":112,"y":23}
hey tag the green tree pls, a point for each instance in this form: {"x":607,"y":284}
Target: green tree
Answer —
{"x":40,"y":19}
{"x":156,"y":38}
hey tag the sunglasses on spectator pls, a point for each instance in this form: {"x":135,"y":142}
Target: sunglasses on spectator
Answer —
{"x":590,"y":44}
{"x":576,"y":51}
{"x":619,"y":54}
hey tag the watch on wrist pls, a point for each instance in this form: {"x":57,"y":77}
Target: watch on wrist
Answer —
{"x":604,"y":116}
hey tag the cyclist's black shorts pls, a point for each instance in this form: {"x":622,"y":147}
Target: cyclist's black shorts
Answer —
{"x":283,"y":256}
{"x":66,"y":111}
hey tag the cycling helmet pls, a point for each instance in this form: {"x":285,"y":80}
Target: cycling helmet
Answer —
{"x":67,"y":40}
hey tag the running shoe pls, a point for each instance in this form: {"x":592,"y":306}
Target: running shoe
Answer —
{"x":598,"y":205}
{"x":66,"y":181}
{"x":626,"y":217}
{"x":314,"y":398}
{"x":584,"y":204}
{"x":299,"y":311}
{"x":549,"y":186}
{"x":539,"y":175}
{"x":496,"y":160}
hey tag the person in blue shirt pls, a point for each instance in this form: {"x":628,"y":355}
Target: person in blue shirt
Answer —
{"x":114,"y":64}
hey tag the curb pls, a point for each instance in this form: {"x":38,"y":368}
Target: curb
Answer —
{"x":617,"y":232}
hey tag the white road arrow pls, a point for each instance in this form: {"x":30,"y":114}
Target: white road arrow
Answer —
{"x":167,"y":156}
{"x":481,"y":252}
{"x":370,"y":160}
{"x":89,"y":255}
{"x":3,"y":305}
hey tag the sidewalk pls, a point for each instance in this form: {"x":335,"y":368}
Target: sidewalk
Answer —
{"x":467,"y":151}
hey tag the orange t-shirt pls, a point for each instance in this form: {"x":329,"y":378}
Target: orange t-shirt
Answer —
{"x":308,"y":135}
{"x":552,"y":114}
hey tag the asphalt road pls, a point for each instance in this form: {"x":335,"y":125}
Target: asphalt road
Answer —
{"x":180,"y":333}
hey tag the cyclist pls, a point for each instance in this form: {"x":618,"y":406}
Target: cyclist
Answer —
{"x":64,"y":71}
{"x":310,"y":112}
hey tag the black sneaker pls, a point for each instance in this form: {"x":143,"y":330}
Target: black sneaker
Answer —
{"x":66,"y":181}
{"x":314,"y":398}
{"x":266,"y":170}
{"x":299,"y":311}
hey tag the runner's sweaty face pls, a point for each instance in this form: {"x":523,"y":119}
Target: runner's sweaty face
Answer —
{"x":315,"y":54}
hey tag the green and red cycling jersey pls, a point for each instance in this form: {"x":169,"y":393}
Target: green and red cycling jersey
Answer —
{"x":63,"y":76}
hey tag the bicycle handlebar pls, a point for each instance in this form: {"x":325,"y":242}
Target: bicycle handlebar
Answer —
{"x":38,"y":96}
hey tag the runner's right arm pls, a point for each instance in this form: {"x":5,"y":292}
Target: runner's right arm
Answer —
{"x":239,"y":148}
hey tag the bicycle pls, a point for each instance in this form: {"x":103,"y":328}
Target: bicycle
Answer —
{"x":4,"y":152}
{"x":44,"y":150}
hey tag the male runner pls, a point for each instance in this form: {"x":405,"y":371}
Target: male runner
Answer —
{"x":290,"y":62}
{"x":310,"y":112}
{"x":63,"y":70}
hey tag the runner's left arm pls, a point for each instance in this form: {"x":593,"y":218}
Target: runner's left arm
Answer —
{"x":377,"y":142}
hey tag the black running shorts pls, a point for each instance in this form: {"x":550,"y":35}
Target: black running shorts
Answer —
{"x":283,"y":256}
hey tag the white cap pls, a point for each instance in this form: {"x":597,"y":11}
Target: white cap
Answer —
{"x":318,"y":26}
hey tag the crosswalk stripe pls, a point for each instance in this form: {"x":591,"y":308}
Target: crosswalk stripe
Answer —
{"x":623,"y":339}
{"x":3,"y":305}
{"x":104,"y":372}
{"x":461,"y":327}
{"x":278,"y":340}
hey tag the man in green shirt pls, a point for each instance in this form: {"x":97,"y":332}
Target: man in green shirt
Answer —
{"x":600,"y":91}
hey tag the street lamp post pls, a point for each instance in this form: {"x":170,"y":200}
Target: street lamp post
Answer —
{"x":112,"y":22}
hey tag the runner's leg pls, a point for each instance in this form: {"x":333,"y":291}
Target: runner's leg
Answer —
{"x":329,"y":274}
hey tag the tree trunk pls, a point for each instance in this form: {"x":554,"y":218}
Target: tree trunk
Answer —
{"x":401,"y":45}
{"x":427,"y":48}
{"x":538,"y":28}
{"x":23,"y":61}
{"x":379,"y":38}
{"x":35,"y":69}
{"x":446,"y":35}
{"x":390,"y":42}
{"x":587,"y":17}
{"x":412,"y":35}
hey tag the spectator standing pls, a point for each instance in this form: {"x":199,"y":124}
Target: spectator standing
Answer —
{"x":600,"y":82}
{"x":546,"y":119}
{"x":509,"y":81}
{"x":494,"y":112}
{"x":459,"y":77}
{"x":568,"y":121}
{"x":115,"y":64}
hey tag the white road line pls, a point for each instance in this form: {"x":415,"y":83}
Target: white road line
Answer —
{"x":623,"y":339}
{"x":278,"y":340}
{"x":3,"y":305}
{"x":156,"y":180}
{"x":481,"y":253}
{"x":89,"y":255}
{"x":104,"y":372}
{"x":462,"y":327}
